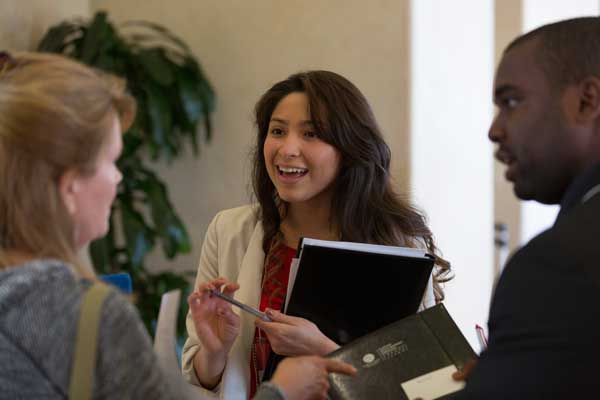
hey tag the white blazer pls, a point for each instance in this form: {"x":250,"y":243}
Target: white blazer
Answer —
{"x":233,"y":249}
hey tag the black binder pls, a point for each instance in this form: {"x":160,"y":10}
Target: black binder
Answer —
{"x":389,"y":357}
{"x":351,"y":289}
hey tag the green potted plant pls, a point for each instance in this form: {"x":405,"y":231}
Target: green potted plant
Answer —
{"x":175,"y":102}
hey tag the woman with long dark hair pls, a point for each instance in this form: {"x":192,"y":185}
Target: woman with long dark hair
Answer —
{"x":321,"y":170}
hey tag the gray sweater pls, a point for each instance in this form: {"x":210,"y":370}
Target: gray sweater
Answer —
{"x":39,"y":311}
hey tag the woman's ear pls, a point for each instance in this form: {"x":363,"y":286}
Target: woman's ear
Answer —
{"x":68,"y":187}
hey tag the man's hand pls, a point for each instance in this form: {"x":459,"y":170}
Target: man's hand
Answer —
{"x":463,"y":374}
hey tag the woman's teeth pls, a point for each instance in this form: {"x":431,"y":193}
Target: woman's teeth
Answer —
{"x":292,"y":171}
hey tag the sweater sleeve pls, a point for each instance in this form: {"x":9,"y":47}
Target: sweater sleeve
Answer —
{"x":269,"y":391}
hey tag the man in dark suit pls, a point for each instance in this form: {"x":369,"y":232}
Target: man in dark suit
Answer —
{"x":544,"y":319}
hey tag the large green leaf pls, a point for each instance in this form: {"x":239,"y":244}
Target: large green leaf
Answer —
{"x":103,"y":251}
{"x":172,"y":232}
{"x":156,"y":65}
{"x":114,"y":56}
{"x":159,"y":113}
{"x":174,"y":97}
{"x":132,"y":144}
{"x":207,"y":95}
{"x":95,"y":37}
{"x":178,"y":236}
{"x":160,"y":31}
{"x":55,"y":39}
{"x":100,"y":253}
{"x":190,"y":95}
{"x":139,"y":238}
{"x":206,"y":89}
{"x":149,"y":297}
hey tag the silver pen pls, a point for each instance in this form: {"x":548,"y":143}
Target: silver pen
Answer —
{"x":243,"y":306}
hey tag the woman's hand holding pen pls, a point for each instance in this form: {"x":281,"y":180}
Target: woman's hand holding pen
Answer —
{"x":294,"y":336}
{"x":216,"y":324}
{"x":217,"y":327}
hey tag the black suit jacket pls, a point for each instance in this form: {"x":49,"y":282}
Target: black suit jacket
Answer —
{"x":544,"y":319}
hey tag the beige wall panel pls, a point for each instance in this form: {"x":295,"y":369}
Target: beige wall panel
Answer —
{"x":24,"y":22}
{"x":507,"y":209}
{"x":246,"y":46}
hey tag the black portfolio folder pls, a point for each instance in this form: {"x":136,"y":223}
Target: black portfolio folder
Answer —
{"x":351,"y":289}
{"x":391,"y":356}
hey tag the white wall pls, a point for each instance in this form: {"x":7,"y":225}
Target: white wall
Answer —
{"x":451,"y":158}
{"x":23,"y":22}
{"x":541,"y":12}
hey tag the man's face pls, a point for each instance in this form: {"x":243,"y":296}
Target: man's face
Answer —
{"x":534,"y":138}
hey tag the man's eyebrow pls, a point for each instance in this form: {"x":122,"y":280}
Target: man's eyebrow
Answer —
{"x":502,"y":90}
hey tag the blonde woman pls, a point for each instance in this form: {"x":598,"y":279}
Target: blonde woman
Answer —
{"x":60,"y":138}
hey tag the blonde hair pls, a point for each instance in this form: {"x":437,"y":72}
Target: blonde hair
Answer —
{"x":55,"y":114}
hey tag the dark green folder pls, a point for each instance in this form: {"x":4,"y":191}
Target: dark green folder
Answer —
{"x":399,"y":352}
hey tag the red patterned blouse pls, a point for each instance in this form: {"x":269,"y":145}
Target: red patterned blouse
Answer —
{"x":273,"y":293}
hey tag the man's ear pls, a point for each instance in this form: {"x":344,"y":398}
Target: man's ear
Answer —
{"x":68,"y":186}
{"x":588,"y":98}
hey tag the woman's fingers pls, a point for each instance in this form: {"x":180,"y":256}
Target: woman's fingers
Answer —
{"x":278,"y":316}
{"x":280,"y":323}
{"x":307,"y":377}
{"x":202,"y":293}
{"x":204,"y":305}
{"x":196,"y":300}
{"x":214,"y":284}
{"x":293,"y":336}
{"x":229,"y":288}
{"x":340,"y":367}
{"x":216,"y":324}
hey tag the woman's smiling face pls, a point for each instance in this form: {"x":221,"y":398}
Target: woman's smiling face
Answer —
{"x":301,"y":165}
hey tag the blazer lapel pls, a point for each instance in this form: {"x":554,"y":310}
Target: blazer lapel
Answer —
{"x":250,"y":278}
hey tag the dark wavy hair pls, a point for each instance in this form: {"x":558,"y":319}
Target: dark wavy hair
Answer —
{"x":364,"y":204}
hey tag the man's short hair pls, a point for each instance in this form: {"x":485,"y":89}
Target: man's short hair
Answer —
{"x":568,"y":51}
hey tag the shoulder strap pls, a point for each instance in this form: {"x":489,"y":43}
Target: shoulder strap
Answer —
{"x":86,"y":342}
